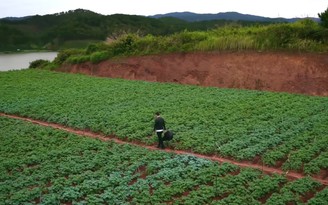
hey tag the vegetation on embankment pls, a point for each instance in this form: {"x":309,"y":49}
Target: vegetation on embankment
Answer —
{"x":305,"y":36}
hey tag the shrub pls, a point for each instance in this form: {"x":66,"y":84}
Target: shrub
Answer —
{"x":126,"y":45}
{"x":78,"y":59}
{"x":62,"y":56}
{"x":96,"y":47}
{"x":99,"y":56}
{"x":39,"y":63}
{"x":50,"y":66}
{"x":324,"y":18}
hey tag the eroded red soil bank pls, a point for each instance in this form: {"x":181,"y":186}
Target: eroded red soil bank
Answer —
{"x":282,"y":72}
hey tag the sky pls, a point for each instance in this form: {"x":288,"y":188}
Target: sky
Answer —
{"x":266,"y":8}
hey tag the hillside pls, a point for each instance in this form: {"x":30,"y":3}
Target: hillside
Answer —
{"x":54,"y":30}
{"x":235,"y":16}
{"x":80,"y":27}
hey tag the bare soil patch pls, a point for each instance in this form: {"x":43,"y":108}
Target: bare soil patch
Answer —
{"x":302,"y":73}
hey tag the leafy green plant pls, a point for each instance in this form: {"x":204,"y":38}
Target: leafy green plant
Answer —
{"x":77,"y":170}
{"x":78,"y":59}
{"x":324,"y":18}
{"x":39,"y":63}
{"x":99,"y":56}
{"x":230,"y":123}
{"x":62,"y":56}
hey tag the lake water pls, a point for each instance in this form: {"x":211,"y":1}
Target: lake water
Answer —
{"x":17,"y":61}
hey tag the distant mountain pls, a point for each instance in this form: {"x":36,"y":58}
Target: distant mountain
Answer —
{"x":15,"y":18}
{"x":234,"y":16}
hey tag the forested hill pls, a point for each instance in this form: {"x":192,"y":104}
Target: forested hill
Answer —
{"x":54,"y":30}
{"x":235,"y":16}
{"x":79,"y":27}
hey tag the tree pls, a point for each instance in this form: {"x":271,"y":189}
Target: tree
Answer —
{"x":324,"y":18}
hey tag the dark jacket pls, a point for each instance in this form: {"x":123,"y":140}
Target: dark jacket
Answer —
{"x":159,"y":124}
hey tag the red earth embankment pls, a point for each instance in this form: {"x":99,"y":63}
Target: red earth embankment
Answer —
{"x":302,"y":73}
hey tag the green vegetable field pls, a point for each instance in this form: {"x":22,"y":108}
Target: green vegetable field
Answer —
{"x":283,"y":130}
{"x":41,"y":165}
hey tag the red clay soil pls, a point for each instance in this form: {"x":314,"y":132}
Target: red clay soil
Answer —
{"x":302,"y":73}
{"x":265,"y":169}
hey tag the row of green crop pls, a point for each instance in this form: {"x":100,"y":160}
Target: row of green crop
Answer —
{"x":41,"y":165}
{"x":231,"y":123}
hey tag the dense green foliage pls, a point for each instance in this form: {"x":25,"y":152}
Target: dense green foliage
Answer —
{"x":324,"y":18}
{"x":78,"y":28}
{"x":40,"y":165}
{"x":233,"y":123}
{"x":305,"y":35}
{"x":41,"y":64}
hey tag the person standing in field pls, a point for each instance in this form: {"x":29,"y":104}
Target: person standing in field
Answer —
{"x":159,"y":128}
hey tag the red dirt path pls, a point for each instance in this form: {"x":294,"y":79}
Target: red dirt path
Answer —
{"x":302,"y":73}
{"x":265,"y":169}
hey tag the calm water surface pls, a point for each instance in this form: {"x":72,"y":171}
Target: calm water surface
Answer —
{"x":19,"y":61}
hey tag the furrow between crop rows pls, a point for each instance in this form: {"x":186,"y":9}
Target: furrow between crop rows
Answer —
{"x":265,"y":169}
